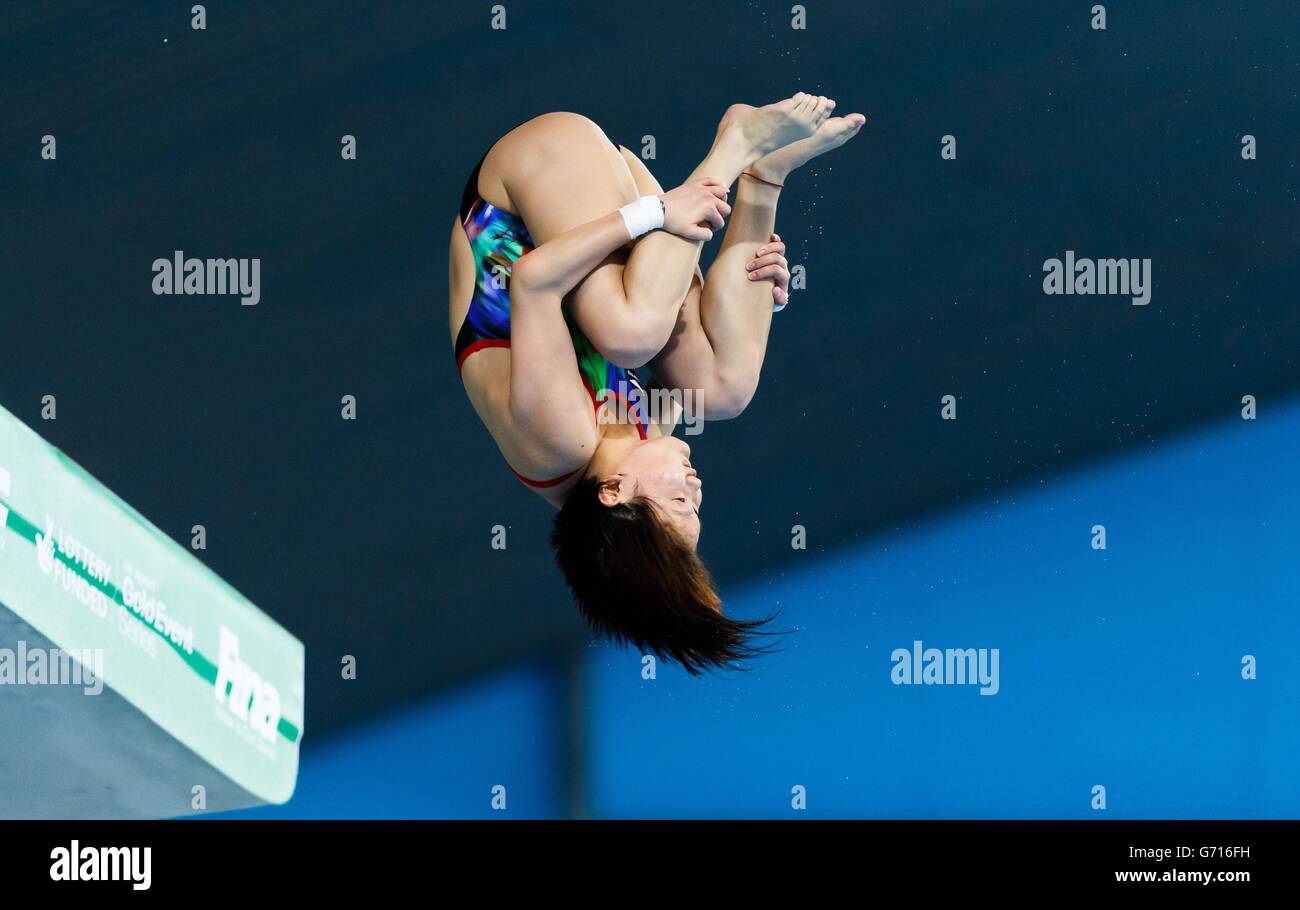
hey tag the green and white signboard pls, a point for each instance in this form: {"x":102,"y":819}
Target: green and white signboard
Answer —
{"x":186,"y":697}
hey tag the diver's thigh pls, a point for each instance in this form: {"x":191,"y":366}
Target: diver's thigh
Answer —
{"x":558,"y":172}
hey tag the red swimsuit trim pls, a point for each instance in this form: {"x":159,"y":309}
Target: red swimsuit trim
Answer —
{"x":478,"y":345}
{"x":542,"y":484}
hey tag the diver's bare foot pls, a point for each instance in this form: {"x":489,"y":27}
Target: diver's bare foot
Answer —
{"x":760,"y":130}
{"x":833,"y":133}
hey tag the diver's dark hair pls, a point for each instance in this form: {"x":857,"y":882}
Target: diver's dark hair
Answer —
{"x":636,"y":582}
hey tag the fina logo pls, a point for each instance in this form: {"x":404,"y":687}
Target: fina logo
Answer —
{"x":241,"y":690}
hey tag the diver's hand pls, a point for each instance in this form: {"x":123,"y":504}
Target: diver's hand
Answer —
{"x":695,"y":210}
{"x":769,"y":262}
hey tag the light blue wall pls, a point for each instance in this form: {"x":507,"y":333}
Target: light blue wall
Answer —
{"x":1120,"y":668}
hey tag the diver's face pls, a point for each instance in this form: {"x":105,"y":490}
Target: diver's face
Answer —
{"x":660,"y":470}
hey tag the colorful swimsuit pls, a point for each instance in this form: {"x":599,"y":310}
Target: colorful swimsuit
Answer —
{"x":497,"y":238}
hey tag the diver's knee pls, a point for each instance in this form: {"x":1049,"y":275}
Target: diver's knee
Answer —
{"x":635,"y":344}
{"x":629,"y":357}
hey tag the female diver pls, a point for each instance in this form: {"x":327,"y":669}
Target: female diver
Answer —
{"x":569,"y":268}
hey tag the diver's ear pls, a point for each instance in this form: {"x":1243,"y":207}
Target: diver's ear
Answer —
{"x":608,"y":492}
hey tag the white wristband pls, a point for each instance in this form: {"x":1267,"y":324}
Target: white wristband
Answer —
{"x":643,"y":216}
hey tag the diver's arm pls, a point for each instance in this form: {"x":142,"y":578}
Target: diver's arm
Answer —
{"x":549,"y":405}
{"x":691,"y":211}
{"x":558,"y":265}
